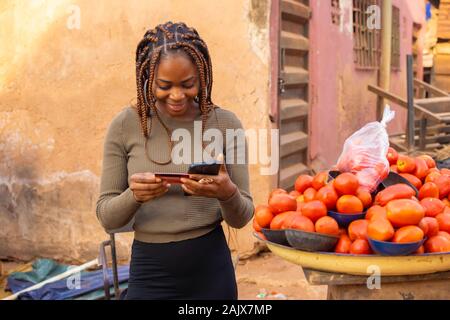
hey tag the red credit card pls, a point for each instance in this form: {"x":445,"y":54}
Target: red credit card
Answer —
{"x":171,"y":177}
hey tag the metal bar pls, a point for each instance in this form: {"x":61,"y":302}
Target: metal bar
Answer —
{"x":410,"y":101}
{"x":384,"y":80}
{"x":114,"y":267}
{"x":423,"y":133}
{"x":104,"y":262}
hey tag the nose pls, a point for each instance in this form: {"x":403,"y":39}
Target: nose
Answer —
{"x":177,"y":94}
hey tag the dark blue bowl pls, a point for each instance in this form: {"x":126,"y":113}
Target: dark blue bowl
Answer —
{"x":344,"y":219}
{"x":386,"y":248}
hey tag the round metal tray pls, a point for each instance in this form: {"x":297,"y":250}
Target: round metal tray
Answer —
{"x":363,"y":264}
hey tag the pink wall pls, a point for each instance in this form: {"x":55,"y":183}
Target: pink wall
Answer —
{"x":339,"y":99}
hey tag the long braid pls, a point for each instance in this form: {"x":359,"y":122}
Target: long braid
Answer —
{"x":161,"y":39}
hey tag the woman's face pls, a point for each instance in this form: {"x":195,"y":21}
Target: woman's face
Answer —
{"x":176,"y":84}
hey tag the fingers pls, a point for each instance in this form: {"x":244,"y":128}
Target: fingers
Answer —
{"x":143,"y":196}
{"x":147,"y":186}
{"x":146,"y":177}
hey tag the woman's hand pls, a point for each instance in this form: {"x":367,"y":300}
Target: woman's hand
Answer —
{"x":146,"y":186}
{"x":221,"y":186}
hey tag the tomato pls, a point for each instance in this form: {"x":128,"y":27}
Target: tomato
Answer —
{"x":294,"y":194}
{"x":432,"y":206}
{"x":437,"y":244}
{"x":277,"y":191}
{"x":380,"y":229}
{"x":261,"y":235}
{"x":392,"y":156}
{"x":432,"y":176}
{"x":364,"y":196}
{"x":429,"y":160}
{"x":406,"y":164}
{"x":429,"y":190}
{"x":314,"y":210}
{"x":303,"y":182}
{"x":300,"y":205}
{"x":412,"y":179}
{"x":358,"y":229}
{"x":444,"y":222}
{"x":328,"y":196}
{"x":393,"y":168}
{"x":408,"y":234}
{"x":360,"y":246}
{"x":288,"y":217}
{"x":327,"y":225}
{"x":320,"y":180}
{"x":282,"y":202}
{"x":263,"y":216}
{"x":302,"y":223}
{"x":396,"y":191}
{"x":346,"y":183}
{"x":279,"y":219}
{"x":443,"y":183}
{"x":349,"y":204}
{"x":256,"y":226}
{"x":444,"y":234}
{"x":421,"y":170}
{"x":429,"y":226}
{"x":404,"y":212}
{"x":343,"y":245}
{"x":445,"y":171}
{"x":309,"y":194}
{"x":376,"y":212}
{"x":421,"y":250}
{"x":446,"y":202}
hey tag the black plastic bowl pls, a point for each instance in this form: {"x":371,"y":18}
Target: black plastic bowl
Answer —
{"x":344,"y":219}
{"x":311,"y":241}
{"x":275,"y":236}
{"x":386,"y":248}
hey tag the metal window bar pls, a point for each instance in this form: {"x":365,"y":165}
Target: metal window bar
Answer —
{"x":366,"y":41}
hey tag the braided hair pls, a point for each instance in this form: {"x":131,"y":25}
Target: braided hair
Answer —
{"x":159,"y":41}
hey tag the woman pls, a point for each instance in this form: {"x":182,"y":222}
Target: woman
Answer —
{"x":179,"y":250}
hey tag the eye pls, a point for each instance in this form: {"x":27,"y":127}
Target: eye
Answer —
{"x":189,"y":86}
{"x":164,"y":87}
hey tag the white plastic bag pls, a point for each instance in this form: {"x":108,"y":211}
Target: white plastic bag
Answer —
{"x":364,"y":152}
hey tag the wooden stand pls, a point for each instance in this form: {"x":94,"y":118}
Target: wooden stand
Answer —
{"x":434,"y":286}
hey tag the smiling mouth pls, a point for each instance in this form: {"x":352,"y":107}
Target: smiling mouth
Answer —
{"x":176,"y":107}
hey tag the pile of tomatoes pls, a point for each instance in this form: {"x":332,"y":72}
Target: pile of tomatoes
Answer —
{"x":394,"y":214}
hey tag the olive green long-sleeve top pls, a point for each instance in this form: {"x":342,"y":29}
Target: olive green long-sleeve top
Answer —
{"x":173,"y":216}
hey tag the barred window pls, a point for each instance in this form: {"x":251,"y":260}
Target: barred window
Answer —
{"x":335,"y":12}
{"x":366,"y":38}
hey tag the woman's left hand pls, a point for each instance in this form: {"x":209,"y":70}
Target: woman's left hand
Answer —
{"x":221,"y":186}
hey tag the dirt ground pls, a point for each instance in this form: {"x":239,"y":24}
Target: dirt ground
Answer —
{"x":267,"y":276}
{"x":263,"y":276}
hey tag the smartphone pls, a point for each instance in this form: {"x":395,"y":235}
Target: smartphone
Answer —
{"x":171,"y":177}
{"x":205,"y":168}
{"x":211,"y":168}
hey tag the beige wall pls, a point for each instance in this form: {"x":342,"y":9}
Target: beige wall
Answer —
{"x":60,"y":86}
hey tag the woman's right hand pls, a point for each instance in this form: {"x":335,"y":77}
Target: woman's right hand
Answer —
{"x":146,"y":186}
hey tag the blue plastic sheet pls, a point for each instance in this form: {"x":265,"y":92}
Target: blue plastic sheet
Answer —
{"x":69,"y":288}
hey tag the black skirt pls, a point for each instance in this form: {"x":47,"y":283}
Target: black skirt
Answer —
{"x":198,"y":269}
